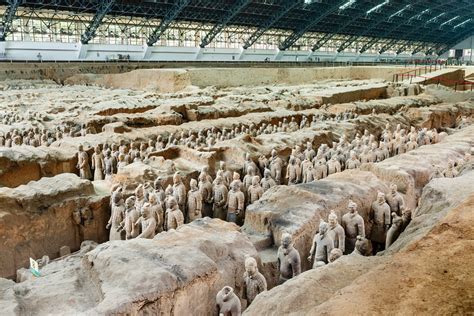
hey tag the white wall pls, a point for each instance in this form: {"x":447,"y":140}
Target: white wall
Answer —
{"x":101,"y":52}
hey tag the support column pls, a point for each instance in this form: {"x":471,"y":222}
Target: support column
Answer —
{"x":82,"y":52}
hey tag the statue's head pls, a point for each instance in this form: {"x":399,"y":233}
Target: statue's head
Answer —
{"x":218,"y":180}
{"x":222,"y":165}
{"x":250,"y":170}
{"x":152,"y":198}
{"x":139,"y":191}
{"x":80,"y":148}
{"x":176,"y":178}
{"x":235,"y":186}
{"x":130,"y":202}
{"x":116,"y":197}
{"x":286,"y":240}
{"x":193,"y":184}
{"x":381,"y":197}
{"x":352,"y":206}
{"x":274,"y":153}
{"x":250,"y":265}
{"x":393,"y":188}
{"x":267,"y":173}
{"x":332,"y":219}
{"x":292,"y":160}
{"x":255,"y":180}
{"x":146,"y":210}
{"x":323,"y":228}
{"x":172,"y":202}
{"x":236,"y":176}
{"x":335,"y":254}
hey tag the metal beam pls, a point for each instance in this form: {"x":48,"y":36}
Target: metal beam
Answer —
{"x":314,"y":19}
{"x":448,"y":24}
{"x":223,"y":21}
{"x":7,"y":20}
{"x":286,"y":6}
{"x":443,"y":49}
{"x":327,"y":37}
{"x":391,"y":30}
{"x":385,"y":13}
{"x":172,"y":14}
{"x":103,"y":8}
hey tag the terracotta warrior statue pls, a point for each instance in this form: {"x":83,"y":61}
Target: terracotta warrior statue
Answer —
{"x":267,"y":182}
{"x":450,"y":171}
{"x":157,"y":211}
{"x":205,"y":188}
{"x":174,"y":215}
{"x":394,"y":230}
{"x":336,"y":231}
{"x":353,"y":225}
{"x":293,"y":171}
{"x":255,"y":191}
{"x":228,"y":304}
{"x":379,"y":217}
{"x":131,"y":216}
{"x":322,"y":246}
{"x":179,"y":191}
{"x":395,"y":200}
{"x":352,"y":162}
{"x":235,"y":202}
{"x":194,"y":201}
{"x":289,"y":262}
{"x":334,"y":165}
{"x":110,"y":164}
{"x":83,"y":164}
{"x":147,"y":222}
{"x":276,"y":164}
{"x":98,"y":164}
{"x":117,"y":215}
{"x":255,"y":282}
{"x":363,"y":246}
{"x":220,"y":194}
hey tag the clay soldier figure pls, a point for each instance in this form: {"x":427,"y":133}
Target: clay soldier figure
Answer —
{"x":194,"y":201}
{"x":395,"y":200}
{"x":205,"y":188}
{"x":320,"y":167}
{"x":293,"y":171}
{"x":228,"y":304}
{"x":267,"y":182}
{"x":157,"y":211}
{"x":98,"y":164}
{"x":276,"y":164}
{"x":249,"y":162}
{"x":322,"y":246}
{"x":83,"y":164}
{"x":255,"y":282}
{"x":248,"y":179}
{"x":255,"y":191}
{"x":353,"y":225}
{"x":336,"y":231}
{"x":394,"y":230}
{"x":309,"y":151}
{"x":131,"y":217}
{"x":160,"y":192}
{"x":179,"y":191}
{"x":353,"y":162}
{"x":305,"y":164}
{"x":412,"y":144}
{"x":289,"y":262}
{"x":235,"y":202}
{"x":226,"y":173}
{"x":310,"y":174}
{"x":109,"y":163}
{"x":363,"y":246}
{"x":380,"y":219}
{"x":334,"y":165}
{"x":220,"y":193}
{"x":174,"y":215}
{"x":139,"y":197}
{"x":147,"y":222}
{"x":450,"y":171}
{"x":116,"y":217}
